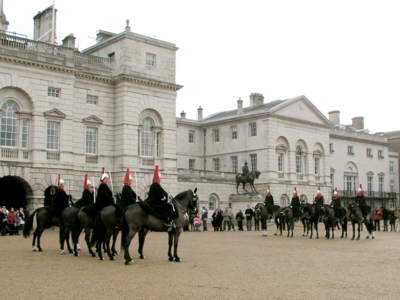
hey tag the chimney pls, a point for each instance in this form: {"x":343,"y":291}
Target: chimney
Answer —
{"x":256,"y":99}
{"x":69,"y":41}
{"x":103,"y":35}
{"x":127,"y":28}
{"x":358,"y":123}
{"x":183,"y":115}
{"x":200,"y":114}
{"x":240,"y":106}
{"x":334,"y":116}
{"x":42,"y":25}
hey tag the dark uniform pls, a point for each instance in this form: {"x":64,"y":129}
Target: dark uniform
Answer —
{"x":335,"y":204}
{"x":269,"y":203}
{"x":319,"y":201}
{"x":104,"y":196}
{"x":87,"y":198}
{"x":61,"y":202}
{"x":295,"y":205}
{"x":360,"y":201}
{"x":128,"y":196}
{"x":158,"y":203}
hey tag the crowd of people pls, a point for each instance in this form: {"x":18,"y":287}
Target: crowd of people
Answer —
{"x":12,"y":221}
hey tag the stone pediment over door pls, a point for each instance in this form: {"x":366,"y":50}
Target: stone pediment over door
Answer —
{"x":54,"y":113}
{"x":92,"y":120}
{"x":300,"y":108}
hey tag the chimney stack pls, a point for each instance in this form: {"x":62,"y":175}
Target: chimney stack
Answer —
{"x":256,"y":99}
{"x":183,"y":115}
{"x":334,"y":116}
{"x":240,"y":106}
{"x":358,"y":123}
{"x":69,"y":41}
{"x":200,"y":114}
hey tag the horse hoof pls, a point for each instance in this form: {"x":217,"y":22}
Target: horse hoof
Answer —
{"x":373,"y":238}
{"x":358,"y":239}
{"x":63,"y":252}
{"x":112,"y":258}
{"x":93,"y":255}
{"x":115,"y":253}
{"x":142,"y":257}
{"x":310,"y":237}
{"x":70,"y":251}
{"x":40,"y":250}
{"x":78,"y":248}
{"x":367,"y":237}
{"x":352,"y":239}
{"x":101,"y":258}
{"x":171,"y":259}
{"x":34,"y":249}
{"x":178,"y":259}
{"x":76,"y":254}
{"x":128,"y":263}
{"x":275,"y":234}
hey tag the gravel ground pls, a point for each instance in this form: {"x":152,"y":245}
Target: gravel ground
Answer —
{"x":216,"y":265}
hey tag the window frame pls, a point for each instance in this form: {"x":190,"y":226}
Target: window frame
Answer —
{"x":92,"y":98}
{"x":150,"y":60}
{"x":235,"y":164}
{"x":350,"y":150}
{"x":299,"y":160}
{"x":234,"y":132}
{"x":216,"y":164}
{"x":95,"y":147}
{"x":253,"y":161}
{"x":281,"y":162}
{"x":381,"y":184}
{"x":147,"y":149}
{"x":191,"y":136}
{"x":216,"y":135}
{"x":15,"y":125}
{"x":369,"y":152}
{"x":192,"y":163}
{"x":317,"y":170}
{"x":53,"y":92}
{"x":58,"y":136}
{"x":253,"y":129}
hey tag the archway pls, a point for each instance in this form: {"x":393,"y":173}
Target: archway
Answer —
{"x":16,"y":192}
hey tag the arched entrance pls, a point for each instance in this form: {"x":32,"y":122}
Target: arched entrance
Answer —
{"x":16,"y":192}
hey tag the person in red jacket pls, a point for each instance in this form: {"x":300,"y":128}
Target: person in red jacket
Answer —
{"x":377,"y":218}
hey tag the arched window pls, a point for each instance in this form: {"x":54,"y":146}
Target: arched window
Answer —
{"x":299,"y":160}
{"x":212,"y":203}
{"x":303,"y":198}
{"x":147,"y":138}
{"x":9,"y":124}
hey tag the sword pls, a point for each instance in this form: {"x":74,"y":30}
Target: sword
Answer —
{"x":169,"y":201}
{"x":112,"y":187}
{"x":94,"y":191}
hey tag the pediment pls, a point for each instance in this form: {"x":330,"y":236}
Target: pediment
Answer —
{"x":370,"y":173}
{"x":317,"y":152}
{"x":281,"y":147}
{"x":381,"y":174}
{"x":54,"y":113}
{"x":92,"y":120}
{"x":301,"y":108}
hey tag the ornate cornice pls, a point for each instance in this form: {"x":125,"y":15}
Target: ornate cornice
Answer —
{"x":357,"y":139}
{"x":41,"y":65}
{"x":146,"y":81}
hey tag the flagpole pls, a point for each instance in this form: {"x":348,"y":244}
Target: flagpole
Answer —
{"x":94,"y":191}
{"x":112,"y":186}
{"x":136,"y":188}
{"x":53,"y":25}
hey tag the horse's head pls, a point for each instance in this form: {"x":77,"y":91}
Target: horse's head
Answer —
{"x":256,"y":173}
{"x":193,"y":198}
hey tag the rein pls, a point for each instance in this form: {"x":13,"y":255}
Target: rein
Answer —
{"x":179,"y":206}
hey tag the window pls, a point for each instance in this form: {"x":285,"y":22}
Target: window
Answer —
{"x":211,"y":203}
{"x":234,"y":133}
{"x":191,"y":136}
{"x":216,"y":164}
{"x":53,"y":92}
{"x":331,"y":147}
{"x":317,"y":166}
{"x":147,"y":138}
{"x":24,"y":135}
{"x":216,"y":135}
{"x":380,"y":153}
{"x":369,"y":152}
{"x":369,"y":184}
{"x":253,"y":129}
{"x":303,"y":198}
{"x":230,"y":204}
{"x":191,"y":164}
{"x":150,"y":60}
{"x":299,"y":168}
{"x":380,"y":184}
{"x":392,"y":186}
{"x":332,"y":177}
{"x":253,"y":159}
{"x":53,"y":135}
{"x":91,"y":140}
{"x":90,"y":99}
{"x":351,"y":183}
{"x":9,"y":124}
{"x":350,"y":150}
{"x":280,"y":162}
{"x":391,"y":167}
{"x":234,"y":160}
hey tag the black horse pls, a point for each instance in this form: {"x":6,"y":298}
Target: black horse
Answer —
{"x":247,"y":179}
{"x":135,"y":219}
{"x":280,"y":221}
{"x":69,"y":224}
{"x":328,"y":217}
{"x":44,"y":220}
{"x":312,"y":217}
{"x":287,"y":214}
{"x":263,"y":214}
{"x":106,"y":225}
{"x":356,"y":217}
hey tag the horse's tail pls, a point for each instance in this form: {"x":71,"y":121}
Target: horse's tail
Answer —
{"x":62,"y":228}
{"x":29,"y":224}
{"x":124,"y":230}
{"x":97,"y":230}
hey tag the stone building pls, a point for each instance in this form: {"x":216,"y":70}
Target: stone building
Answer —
{"x":113,"y":105}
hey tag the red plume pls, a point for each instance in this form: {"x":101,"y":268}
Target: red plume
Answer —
{"x":156,"y":177}
{"x":361,"y":192}
{"x":126,"y":179}
{"x":102,"y":174}
{"x":85,"y":185}
{"x":59,"y":178}
{"x":295,"y":195}
{"x":337,"y":194}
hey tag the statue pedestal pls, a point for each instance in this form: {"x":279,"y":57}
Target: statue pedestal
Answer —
{"x":242,"y":200}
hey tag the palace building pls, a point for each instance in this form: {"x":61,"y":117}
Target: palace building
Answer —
{"x":113,"y":105}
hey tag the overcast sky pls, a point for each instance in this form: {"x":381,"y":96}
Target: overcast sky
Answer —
{"x":342,"y":55}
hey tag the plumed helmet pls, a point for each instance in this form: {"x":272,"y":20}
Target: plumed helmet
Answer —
{"x":61,"y":181}
{"x":335,"y":193}
{"x":360,"y":189}
{"x":104,"y":176}
{"x":295,"y":192}
{"x":89,"y":183}
{"x":319,"y":191}
{"x":268,"y":191}
{"x":156,"y":176}
{"x":127,"y":178}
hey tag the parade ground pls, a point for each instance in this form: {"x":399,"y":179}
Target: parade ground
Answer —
{"x":215,"y":265}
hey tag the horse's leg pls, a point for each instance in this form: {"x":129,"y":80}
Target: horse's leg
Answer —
{"x":127,"y":242}
{"x":264,"y":225}
{"x":68,"y":244}
{"x":358,"y":230}
{"x":38,"y":235}
{"x":142,"y":237}
{"x":176,"y":240}
{"x":115,"y":235}
{"x":87,"y":239}
{"x":288,"y":228}
{"x":170,"y":239}
{"x":316,"y":228}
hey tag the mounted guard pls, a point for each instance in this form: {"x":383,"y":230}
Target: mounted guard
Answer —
{"x":295,"y":204}
{"x":360,"y":201}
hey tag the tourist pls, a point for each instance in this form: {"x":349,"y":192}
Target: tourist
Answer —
{"x":239,"y":219}
{"x":392,"y":219}
{"x":231,"y":215}
{"x":397,"y":215}
{"x":10,"y":220}
{"x":249,"y":216}
{"x":226,"y":219}
{"x":216,"y":220}
{"x":377,"y":219}
{"x":17,"y":222}
{"x":385,"y":218}
{"x":22,"y":215}
{"x":204,"y":217}
{"x":196,"y":223}
{"x":3,"y":221}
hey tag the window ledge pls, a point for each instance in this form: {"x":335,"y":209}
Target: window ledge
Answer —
{"x":351,"y":154}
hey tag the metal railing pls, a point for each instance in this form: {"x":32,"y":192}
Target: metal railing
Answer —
{"x":368,"y":194}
